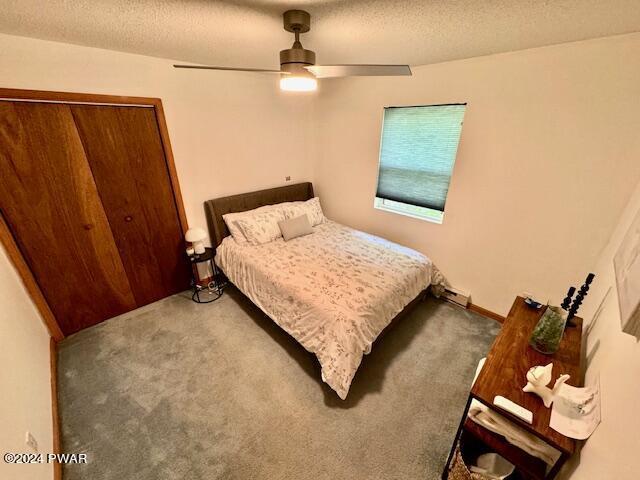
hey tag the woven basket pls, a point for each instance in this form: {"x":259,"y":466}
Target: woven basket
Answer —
{"x":459,"y":471}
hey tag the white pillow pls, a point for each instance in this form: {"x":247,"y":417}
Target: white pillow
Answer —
{"x":261,"y":227}
{"x":310,"y":208}
{"x":231,"y":220}
{"x":295,"y":227}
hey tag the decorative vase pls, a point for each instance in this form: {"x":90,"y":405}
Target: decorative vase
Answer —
{"x":547,"y":335}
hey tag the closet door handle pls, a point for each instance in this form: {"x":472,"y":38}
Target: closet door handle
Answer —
{"x":128,"y":218}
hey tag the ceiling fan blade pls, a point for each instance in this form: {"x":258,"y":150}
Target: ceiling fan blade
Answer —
{"x":328,"y":71}
{"x":234,"y":69}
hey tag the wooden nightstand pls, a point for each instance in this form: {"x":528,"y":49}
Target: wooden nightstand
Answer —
{"x":504,"y":373}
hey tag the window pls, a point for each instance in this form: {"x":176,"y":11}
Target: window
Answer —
{"x":417,"y":152}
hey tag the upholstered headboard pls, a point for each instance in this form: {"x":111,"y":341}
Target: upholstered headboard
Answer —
{"x":215,"y":209}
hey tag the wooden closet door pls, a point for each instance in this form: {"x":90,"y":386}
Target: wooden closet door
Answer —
{"x":126,"y":155}
{"x":50,"y":202}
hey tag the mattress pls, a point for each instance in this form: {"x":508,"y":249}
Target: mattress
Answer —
{"x":334,"y":290}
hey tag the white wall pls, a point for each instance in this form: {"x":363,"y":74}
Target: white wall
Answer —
{"x":230,"y":132}
{"x":615,"y":357}
{"x":25,"y":380}
{"x":547,"y":160}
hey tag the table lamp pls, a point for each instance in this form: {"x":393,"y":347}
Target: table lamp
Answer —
{"x":196,"y":237}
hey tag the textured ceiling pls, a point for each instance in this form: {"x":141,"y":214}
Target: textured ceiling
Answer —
{"x":249,"y":32}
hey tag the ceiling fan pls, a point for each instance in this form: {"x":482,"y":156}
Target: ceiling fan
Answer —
{"x":298,"y":69}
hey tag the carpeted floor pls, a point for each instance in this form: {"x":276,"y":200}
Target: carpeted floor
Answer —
{"x":177,"y":390}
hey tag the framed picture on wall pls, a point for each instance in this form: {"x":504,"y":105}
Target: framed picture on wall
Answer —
{"x":627,"y":268}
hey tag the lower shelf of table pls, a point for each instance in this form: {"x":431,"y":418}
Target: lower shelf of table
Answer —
{"x":528,"y":465}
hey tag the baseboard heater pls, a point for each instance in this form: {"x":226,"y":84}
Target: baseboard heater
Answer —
{"x":456,"y":296}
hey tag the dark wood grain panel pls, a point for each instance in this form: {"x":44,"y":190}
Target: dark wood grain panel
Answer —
{"x":73,"y":97}
{"x":29,"y":281}
{"x":126,"y":155}
{"x":510,"y":359}
{"x":51,"y":205}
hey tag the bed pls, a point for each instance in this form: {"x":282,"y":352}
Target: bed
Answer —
{"x":334,"y":291}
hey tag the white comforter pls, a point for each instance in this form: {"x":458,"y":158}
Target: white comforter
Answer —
{"x":334,"y":290}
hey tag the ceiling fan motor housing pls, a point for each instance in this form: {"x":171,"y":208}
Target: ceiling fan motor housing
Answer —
{"x":294,"y":59}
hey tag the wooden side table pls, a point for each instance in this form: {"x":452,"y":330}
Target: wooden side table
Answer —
{"x":504,"y":373}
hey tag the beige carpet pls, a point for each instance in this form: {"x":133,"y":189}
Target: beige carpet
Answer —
{"x":177,"y":390}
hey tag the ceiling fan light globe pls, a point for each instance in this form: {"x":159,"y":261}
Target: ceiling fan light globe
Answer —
{"x":293,"y":83}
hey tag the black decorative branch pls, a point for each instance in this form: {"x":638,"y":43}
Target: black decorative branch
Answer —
{"x":579,"y":298}
{"x":566,"y":303}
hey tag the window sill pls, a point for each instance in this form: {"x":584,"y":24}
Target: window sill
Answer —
{"x":399,"y":211}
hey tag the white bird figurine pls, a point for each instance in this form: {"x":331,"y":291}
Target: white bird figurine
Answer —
{"x":537,"y":380}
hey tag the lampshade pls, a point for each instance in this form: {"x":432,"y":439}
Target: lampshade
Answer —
{"x":294,"y":83}
{"x":195,"y":235}
{"x":295,"y":77}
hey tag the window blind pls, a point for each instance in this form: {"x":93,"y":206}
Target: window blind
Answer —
{"x":417,"y":152}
